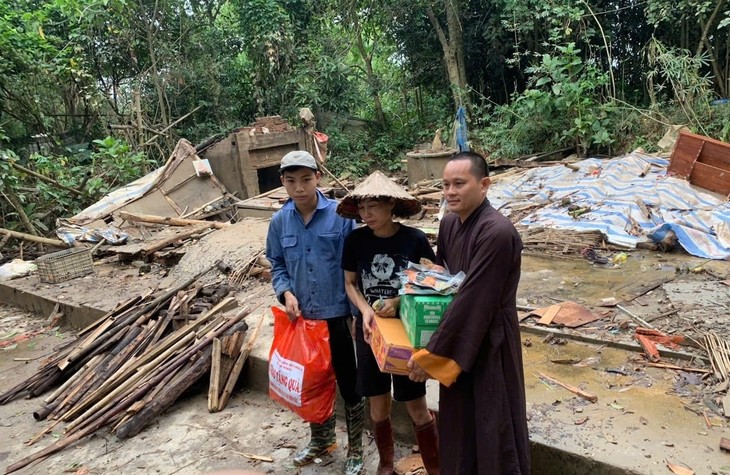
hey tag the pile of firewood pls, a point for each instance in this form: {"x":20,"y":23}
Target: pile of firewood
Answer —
{"x":558,"y":242}
{"x":132,"y":364}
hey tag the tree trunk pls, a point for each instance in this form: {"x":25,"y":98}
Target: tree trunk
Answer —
{"x":159,"y":87}
{"x":705,"y":43}
{"x":453,"y":48}
{"x":372,"y":79}
{"x":456,"y":33}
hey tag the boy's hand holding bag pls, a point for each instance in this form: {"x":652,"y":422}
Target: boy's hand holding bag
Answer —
{"x":301,"y":377}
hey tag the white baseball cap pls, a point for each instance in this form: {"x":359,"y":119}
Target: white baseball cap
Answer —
{"x":298,"y":158}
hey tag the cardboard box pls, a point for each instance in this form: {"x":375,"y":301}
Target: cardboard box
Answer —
{"x":421,"y":315}
{"x":390,"y":345}
{"x":424,"y":310}
{"x":419,"y":335}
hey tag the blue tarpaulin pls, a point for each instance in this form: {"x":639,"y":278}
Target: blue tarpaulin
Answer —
{"x":461,"y":132}
{"x":612,"y":190}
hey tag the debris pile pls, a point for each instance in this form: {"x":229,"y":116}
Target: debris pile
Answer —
{"x":131,"y":365}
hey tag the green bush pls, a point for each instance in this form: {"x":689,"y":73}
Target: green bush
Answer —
{"x":112,"y":164}
{"x":563,"y":106}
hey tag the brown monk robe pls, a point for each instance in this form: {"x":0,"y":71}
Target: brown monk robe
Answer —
{"x":476,"y":352}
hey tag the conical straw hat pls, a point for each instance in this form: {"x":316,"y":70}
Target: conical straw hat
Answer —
{"x":377,"y":185}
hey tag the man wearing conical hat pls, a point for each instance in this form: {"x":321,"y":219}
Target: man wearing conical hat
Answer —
{"x":371,"y":258}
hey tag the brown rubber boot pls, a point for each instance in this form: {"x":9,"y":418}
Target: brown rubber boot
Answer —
{"x":427,"y":436}
{"x":386,"y":446}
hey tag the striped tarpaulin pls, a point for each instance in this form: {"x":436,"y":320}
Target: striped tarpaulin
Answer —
{"x":611,"y":189}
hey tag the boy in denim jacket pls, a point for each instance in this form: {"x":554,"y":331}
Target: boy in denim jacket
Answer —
{"x":304,"y":245}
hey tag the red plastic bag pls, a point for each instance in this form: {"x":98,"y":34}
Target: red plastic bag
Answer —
{"x":301,"y":377}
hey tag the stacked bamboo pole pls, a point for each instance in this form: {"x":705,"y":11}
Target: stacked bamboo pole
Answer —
{"x":718,"y":350}
{"x":128,"y":367}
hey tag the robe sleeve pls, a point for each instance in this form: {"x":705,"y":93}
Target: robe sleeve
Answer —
{"x":480,"y":298}
{"x":440,"y":260}
{"x":444,"y":370}
{"x":425,"y":249}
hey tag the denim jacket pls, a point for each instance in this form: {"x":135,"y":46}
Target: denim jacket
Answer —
{"x":306,"y":259}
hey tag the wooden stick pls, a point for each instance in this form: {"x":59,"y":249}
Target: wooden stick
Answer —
{"x":148,"y":218}
{"x":45,"y":178}
{"x":326,"y":170}
{"x":15,"y":203}
{"x":640,"y":320}
{"x":119,"y":309}
{"x":215,"y":376}
{"x":124,"y":386}
{"x":236,"y":371}
{"x":573,"y":389}
{"x":166,"y":397}
{"x":42,"y":433}
{"x":157,"y":366}
{"x":149,"y":142}
{"x":72,"y":380}
{"x":183,"y":235}
{"x":260,"y":458}
{"x":680,"y":368}
{"x":158,"y":373}
{"x":121,"y":324}
{"x":31,"y":238}
{"x":167,"y":346}
{"x":133,"y":341}
{"x":202,"y":207}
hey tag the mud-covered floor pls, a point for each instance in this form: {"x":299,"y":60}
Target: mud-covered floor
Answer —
{"x":643,"y":419}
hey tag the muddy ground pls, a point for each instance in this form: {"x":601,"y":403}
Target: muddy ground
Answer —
{"x":189,"y":440}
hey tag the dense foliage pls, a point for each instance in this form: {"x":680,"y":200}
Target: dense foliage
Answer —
{"x":84,"y":84}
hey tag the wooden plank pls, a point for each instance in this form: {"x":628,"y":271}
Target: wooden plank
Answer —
{"x":278,"y":139}
{"x":632,"y":290}
{"x":685,"y":154}
{"x":711,"y":178}
{"x":246,"y":349}
{"x":270,"y":157}
{"x":725,"y":444}
{"x":215,"y":376}
{"x":547,"y":319}
{"x":716,"y":154}
{"x":223,"y":158}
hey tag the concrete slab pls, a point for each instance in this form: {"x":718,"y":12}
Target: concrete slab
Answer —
{"x":82,"y":300}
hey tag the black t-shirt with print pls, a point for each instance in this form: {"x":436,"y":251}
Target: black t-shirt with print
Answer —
{"x":377,"y":260}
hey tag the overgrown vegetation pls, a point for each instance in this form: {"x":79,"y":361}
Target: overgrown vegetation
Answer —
{"x":595,"y":77}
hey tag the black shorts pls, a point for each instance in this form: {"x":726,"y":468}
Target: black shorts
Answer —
{"x":372,"y":382}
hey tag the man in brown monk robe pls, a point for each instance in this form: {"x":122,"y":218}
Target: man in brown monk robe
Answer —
{"x":476,"y":353}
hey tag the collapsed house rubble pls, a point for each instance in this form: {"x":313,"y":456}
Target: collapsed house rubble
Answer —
{"x":589,"y":217}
